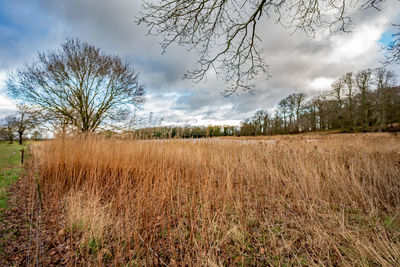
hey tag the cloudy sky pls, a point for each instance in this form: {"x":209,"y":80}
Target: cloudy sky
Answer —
{"x":298,"y":63}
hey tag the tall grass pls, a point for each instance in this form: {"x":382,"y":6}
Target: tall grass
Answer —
{"x":334,"y":201}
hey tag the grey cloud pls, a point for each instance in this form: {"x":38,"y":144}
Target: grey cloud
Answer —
{"x":112,"y":26}
{"x":295,"y":59}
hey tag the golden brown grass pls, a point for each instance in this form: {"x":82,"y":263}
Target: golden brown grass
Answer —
{"x":333,"y":201}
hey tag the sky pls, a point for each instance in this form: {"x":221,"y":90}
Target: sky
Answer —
{"x":297,"y":62}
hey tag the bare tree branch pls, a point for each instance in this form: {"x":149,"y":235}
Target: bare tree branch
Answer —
{"x":224,"y":33}
{"x":393,"y":48}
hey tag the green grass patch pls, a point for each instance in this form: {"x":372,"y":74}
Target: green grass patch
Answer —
{"x":6,"y":179}
{"x":10,"y":169}
{"x":10,"y":155}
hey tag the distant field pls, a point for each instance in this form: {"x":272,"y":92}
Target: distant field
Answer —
{"x":10,"y":155}
{"x":296,"y":200}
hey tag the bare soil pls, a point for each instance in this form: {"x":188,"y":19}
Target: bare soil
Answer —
{"x":29,"y":235}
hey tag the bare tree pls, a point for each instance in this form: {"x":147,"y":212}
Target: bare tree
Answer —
{"x":348,"y":80}
{"x":291,"y":100}
{"x":261,"y":121}
{"x":363,"y":79}
{"x":338,"y":88}
{"x":312,"y":110}
{"x":284,"y":109}
{"x":299,"y":98}
{"x":10,"y":126}
{"x":225,"y":33}
{"x":26,"y":119}
{"x":392,"y":104}
{"x":384,"y":78}
{"x":322,"y":110}
{"x":79,"y":83}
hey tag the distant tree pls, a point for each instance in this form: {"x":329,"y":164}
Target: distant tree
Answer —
{"x":26,"y":119}
{"x":311,"y":112}
{"x":10,"y":127}
{"x":80,"y":84}
{"x":266,"y":122}
{"x":299,"y":100}
{"x":247,"y":128}
{"x":338,"y":94}
{"x":217,"y":130}
{"x":37,"y":135}
{"x":321,"y":104}
{"x":291,"y":104}
{"x":229,"y":130}
{"x":363,"y":80}
{"x":392,"y":103}
{"x":276,"y":124}
{"x":261,"y":120}
{"x":198,"y":132}
{"x":384,"y":79}
{"x":187,"y":132}
{"x":283,"y":106}
{"x":348,"y":80}
{"x":257,"y":120}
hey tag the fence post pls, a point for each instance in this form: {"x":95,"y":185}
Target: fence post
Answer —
{"x":22,"y":155}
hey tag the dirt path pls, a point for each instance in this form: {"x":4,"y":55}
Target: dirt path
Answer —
{"x":30,"y":235}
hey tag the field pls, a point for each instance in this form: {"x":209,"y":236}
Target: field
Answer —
{"x":286,"y":200}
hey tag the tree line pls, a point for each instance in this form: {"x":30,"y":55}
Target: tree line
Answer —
{"x":166,"y":132}
{"x":363,"y":101}
{"x":79,"y":88}
{"x":357,"y":102}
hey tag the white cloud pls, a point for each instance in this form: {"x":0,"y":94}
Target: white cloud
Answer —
{"x":321,"y":83}
{"x":6,"y":105}
{"x":362,"y":43}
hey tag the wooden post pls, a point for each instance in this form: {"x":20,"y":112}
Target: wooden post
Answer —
{"x":22,"y":155}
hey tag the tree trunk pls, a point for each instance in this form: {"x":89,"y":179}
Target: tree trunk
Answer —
{"x":20,"y":137}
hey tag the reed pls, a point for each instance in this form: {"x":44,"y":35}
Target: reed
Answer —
{"x":333,"y":200}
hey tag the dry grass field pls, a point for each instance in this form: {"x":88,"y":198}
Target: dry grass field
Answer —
{"x":297,"y":200}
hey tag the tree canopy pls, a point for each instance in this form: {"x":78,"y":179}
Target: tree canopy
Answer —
{"x":79,"y":84}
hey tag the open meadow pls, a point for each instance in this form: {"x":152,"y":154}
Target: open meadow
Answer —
{"x":297,"y":200}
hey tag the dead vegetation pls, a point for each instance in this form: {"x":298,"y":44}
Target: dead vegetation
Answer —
{"x":333,"y":201}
